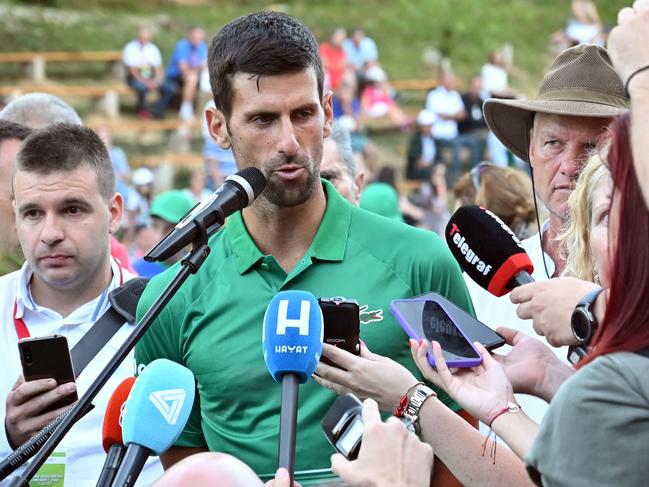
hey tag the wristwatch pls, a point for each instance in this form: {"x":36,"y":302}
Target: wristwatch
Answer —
{"x":583,"y":320}
{"x":415,"y":401}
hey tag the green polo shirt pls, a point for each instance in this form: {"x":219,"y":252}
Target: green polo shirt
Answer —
{"x":213,"y":325}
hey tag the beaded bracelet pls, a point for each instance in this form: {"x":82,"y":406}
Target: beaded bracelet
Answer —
{"x":628,"y":80}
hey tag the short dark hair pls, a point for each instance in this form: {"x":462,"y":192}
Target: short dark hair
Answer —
{"x":262,"y":43}
{"x":12,"y":130}
{"x":66,"y":147}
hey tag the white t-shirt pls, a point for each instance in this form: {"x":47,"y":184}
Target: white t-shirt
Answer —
{"x":136,"y":55}
{"x":82,"y":447}
{"x":443,"y":102}
{"x":494,"y":78}
{"x":494,"y":312}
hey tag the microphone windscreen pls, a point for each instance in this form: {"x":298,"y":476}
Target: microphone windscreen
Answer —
{"x":292,"y":334}
{"x":159,"y":405}
{"x":252,"y":177}
{"x":486,"y":249}
{"x":125,"y":298}
{"x":112,"y":429}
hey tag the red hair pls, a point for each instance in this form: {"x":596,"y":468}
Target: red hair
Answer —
{"x":626,"y":323}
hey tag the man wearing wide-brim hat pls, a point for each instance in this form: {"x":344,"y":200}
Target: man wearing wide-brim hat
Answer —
{"x":579,"y":95}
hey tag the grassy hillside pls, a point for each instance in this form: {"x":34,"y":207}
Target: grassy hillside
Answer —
{"x":465,"y":30}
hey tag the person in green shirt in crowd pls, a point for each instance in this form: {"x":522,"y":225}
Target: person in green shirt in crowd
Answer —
{"x":166,"y":211}
{"x":267,"y":80}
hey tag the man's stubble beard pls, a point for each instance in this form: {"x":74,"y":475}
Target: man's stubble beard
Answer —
{"x":282,"y":196}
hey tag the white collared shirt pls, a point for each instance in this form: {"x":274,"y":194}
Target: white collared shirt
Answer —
{"x":84,"y":455}
{"x":495,"y":312}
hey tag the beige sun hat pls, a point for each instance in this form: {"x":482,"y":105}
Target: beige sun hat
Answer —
{"x":581,"y":82}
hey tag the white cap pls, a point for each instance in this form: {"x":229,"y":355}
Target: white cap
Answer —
{"x":142,"y":176}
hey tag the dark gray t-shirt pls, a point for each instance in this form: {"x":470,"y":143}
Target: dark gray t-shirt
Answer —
{"x":596,"y":432}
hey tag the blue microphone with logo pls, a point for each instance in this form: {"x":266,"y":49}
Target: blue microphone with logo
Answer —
{"x":292,"y":342}
{"x":154,"y":415}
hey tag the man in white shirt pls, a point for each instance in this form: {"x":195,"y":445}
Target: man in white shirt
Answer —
{"x":66,"y":208}
{"x":143,"y":60}
{"x":360,"y":51}
{"x":447,"y":105}
{"x":554,"y":133}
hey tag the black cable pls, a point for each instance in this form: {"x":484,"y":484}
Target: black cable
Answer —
{"x":538,"y":223}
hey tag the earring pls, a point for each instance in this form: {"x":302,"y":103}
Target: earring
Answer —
{"x":596,"y":277}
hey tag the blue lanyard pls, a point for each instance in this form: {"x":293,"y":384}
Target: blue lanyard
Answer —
{"x":102,"y":298}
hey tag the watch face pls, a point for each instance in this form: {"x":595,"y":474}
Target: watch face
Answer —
{"x":582,"y":326}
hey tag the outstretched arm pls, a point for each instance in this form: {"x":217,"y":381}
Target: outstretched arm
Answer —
{"x":628,"y":46}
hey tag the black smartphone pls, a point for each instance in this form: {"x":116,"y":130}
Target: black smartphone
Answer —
{"x":341,"y":322}
{"x":48,"y":358}
{"x":475,"y":330}
{"x":342,"y":425}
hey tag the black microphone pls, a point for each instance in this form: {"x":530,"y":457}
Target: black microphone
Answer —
{"x":238,"y":191}
{"x":487,"y":250}
{"x":502,"y":263}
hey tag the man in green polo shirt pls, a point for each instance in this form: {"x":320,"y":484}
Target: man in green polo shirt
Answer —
{"x":299,"y":234}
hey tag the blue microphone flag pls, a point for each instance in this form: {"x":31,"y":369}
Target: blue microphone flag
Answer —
{"x":158,"y":406}
{"x":292,"y":335}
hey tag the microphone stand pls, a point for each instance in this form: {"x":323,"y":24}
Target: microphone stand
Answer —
{"x":189,"y":265}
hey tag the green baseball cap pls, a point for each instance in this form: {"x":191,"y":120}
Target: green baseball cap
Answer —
{"x":382,"y":199}
{"x":171,"y":206}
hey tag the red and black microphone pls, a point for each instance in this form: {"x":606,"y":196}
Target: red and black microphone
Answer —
{"x":491,"y":254}
{"x":487,"y":250}
{"x":112,"y":433}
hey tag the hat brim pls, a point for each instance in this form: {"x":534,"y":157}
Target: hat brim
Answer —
{"x":511,"y":120}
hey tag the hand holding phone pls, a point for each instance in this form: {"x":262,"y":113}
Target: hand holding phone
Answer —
{"x":480,"y":391}
{"x":388,"y":451}
{"x":46,"y":389}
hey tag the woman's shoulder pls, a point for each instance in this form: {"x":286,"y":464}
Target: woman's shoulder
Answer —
{"x":613,"y":376}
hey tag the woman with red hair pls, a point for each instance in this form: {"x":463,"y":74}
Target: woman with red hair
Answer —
{"x":596,"y":430}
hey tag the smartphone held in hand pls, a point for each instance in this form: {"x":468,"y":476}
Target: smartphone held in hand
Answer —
{"x":433,"y":320}
{"x":48,"y":358}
